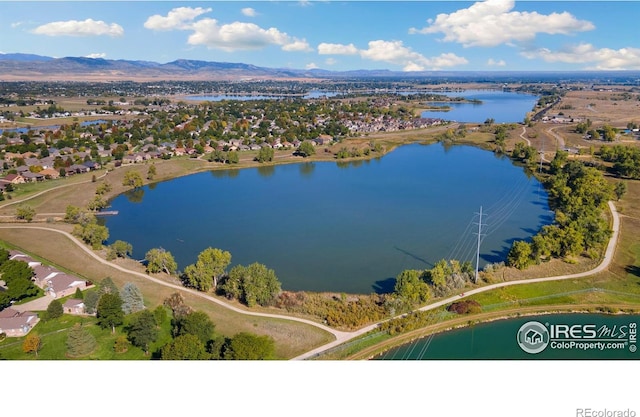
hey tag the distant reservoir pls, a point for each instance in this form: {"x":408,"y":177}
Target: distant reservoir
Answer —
{"x":503,"y":107}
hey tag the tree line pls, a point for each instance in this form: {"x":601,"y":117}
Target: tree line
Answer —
{"x":190,"y":334}
{"x":578,"y":194}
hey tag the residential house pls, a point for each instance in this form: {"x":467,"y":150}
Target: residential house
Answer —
{"x":14,"y":179}
{"x":50,"y":173}
{"x":32,"y":176}
{"x":42,"y":274}
{"x":78,"y":169}
{"x":10,"y":156}
{"x":14,"y":323}
{"x":53,"y":152}
{"x":22,"y":169}
{"x":62,"y":285}
{"x":104,"y":153}
{"x":74,"y":306}
{"x":323,"y":140}
{"x":47,"y":162}
{"x":92,"y":165}
{"x":18,"y":256}
{"x":32,"y":162}
{"x":131,"y":159}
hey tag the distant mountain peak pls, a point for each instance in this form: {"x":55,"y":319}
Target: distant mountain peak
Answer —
{"x":24,"y":57}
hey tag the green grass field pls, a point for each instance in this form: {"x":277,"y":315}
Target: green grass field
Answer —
{"x":53,"y":335}
{"x":617,"y":288}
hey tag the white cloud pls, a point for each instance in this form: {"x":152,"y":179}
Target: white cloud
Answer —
{"x":297,"y":46}
{"x":492,"y":22}
{"x":493,"y":63}
{"x":311,"y":65}
{"x":96,"y":55}
{"x":394,"y":52}
{"x":330,"y":61}
{"x":239,"y":35}
{"x":178,"y":18}
{"x":595,"y":58}
{"x":88,"y":27}
{"x":228,"y":37}
{"x":249,"y":11}
{"x":337,"y":49}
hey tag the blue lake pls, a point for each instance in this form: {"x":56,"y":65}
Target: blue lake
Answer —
{"x":327,"y":226}
{"x":503,"y":107}
{"x":248,"y":97}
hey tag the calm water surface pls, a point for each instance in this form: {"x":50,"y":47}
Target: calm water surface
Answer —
{"x":503,"y":107}
{"x":325,"y":226}
{"x":498,"y":340}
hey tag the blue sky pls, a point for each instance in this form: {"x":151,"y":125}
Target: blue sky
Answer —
{"x":335,"y":35}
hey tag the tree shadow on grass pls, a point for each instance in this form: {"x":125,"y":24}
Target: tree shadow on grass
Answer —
{"x":633,"y":269}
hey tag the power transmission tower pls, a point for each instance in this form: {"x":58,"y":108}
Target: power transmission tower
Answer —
{"x":478,"y":249}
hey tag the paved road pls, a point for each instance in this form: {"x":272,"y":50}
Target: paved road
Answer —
{"x":340,"y":336}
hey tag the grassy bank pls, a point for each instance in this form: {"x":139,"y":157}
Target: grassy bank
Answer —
{"x":618,"y":286}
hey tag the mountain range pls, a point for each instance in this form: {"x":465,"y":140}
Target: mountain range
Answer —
{"x":36,"y":67}
{"x":17,"y":67}
{"x":29,"y":67}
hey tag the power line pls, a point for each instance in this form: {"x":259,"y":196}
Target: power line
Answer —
{"x":478,"y":248}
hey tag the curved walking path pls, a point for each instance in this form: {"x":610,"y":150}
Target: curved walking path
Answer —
{"x":559,"y":139}
{"x":48,"y":190}
{"x":524,"y":130}
{"x":340,"y":336}
{"x":606,"y":261}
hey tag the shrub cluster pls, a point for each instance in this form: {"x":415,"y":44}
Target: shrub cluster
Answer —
{"x":337,"y":311}
{"x":465,"y":307}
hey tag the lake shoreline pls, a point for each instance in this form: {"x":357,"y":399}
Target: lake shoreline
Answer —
{"x":470,"y":321}
{"x":406,"y":202}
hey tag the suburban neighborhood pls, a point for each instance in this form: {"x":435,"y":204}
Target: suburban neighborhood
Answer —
{"x":15,"y":321}
{"x":197,"y":130}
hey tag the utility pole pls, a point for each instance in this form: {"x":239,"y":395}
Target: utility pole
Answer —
{"x":478,"y":249}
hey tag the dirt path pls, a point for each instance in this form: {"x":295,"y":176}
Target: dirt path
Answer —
{"x":49,"y":190}
{"x":340,"y":336}
{"x":524,"y":130}
{"x":606,"y":261}
{"x":559,"y":139}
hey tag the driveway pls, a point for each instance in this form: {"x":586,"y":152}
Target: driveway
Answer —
{"x":39,"y":304}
